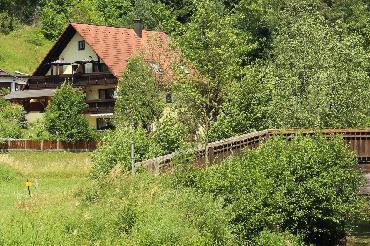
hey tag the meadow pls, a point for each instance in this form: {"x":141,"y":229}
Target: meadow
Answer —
{"x":68,"y":208}
{"x":23,"y":49}
{"x":58,"y":175}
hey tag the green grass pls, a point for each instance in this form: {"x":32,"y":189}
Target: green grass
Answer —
{"x":58,"y":174}
{"x":23,"y":49}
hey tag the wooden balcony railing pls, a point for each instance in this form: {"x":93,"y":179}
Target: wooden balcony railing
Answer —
{"x":53,"y":81}
{"x":100,"y":106}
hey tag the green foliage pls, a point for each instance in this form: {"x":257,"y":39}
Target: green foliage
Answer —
{"x":215,"y":48}
{"x":12,"y":119}
{"x":22,"y":49}
{"x":6,"y":23}
{"x":138,"y":97}
{"x":268,"y":238}
{"x":36,"y":130}
{"x":7,"y":174}
{"x":246,"y":108}
{"x":116,"y":147}
{"x":170,"y":134}
{"x":144,"y":210}
{"x":318,"y":72}
{"x":55,"y":14}
{"x":309,"y":185}
{"x":63,"y":116}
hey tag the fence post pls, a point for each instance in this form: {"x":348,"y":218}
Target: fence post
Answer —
{"x":42,"y":145}
{"x":58,"y":144}
{"x":210,"y":155}
{"x":25,"y":144}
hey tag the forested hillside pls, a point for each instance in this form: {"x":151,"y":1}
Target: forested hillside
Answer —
{"x":284,"y":63}
{"x":232,"y":67}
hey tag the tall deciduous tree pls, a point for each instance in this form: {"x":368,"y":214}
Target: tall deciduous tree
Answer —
{"x":139,"y":98}
{"x":318,"y":77}
{"x":215,"y":49}
{"x":63,"y":117}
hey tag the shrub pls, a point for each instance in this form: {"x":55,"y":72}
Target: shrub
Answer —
{"x":12,"y":120}
{"x":36,"y":130}
{"x":63,"y":116}
{"x":116,"y":147}
{"x":7,"y":173}
{"x":138,"y":97}
{"x":7,"y":23}
{"x":309,"y":185}
{"x":170,"y":134}
{"x":268,"y":238}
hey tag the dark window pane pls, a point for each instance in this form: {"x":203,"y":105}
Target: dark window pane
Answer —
{"x":104,"y":124}
{"x":81,"y":45}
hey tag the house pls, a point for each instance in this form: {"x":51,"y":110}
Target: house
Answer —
{"x":13,"y":82}
{"x":91,"y":57}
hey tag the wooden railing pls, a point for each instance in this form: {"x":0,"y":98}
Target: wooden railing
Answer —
{"x":357,"y":139}
{"x":100,"y":106}
{"x":53,"y":81}
{"x":46,"y":145}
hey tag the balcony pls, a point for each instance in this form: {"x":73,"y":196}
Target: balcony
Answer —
{"x":80,"y":80}
{"x":100,"y":106}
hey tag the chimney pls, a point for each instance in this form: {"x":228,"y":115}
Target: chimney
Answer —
{"x":138,"y":27}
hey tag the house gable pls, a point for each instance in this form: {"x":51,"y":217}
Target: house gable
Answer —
{"x":72,"y":53}
{"x":113,"y":45}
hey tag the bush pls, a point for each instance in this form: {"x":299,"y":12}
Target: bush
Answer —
{"x":63,"y":116}
{"x":12,"y":120}
{"x":36,"y":131}
{"x":309,"y":185}
{"x":116,"y":148}
{"x":7,"y":173}
{"x":7,"y":23}
{"x":138,"y":98}
{"x":268,"y":238}
{"x":170,"y":134}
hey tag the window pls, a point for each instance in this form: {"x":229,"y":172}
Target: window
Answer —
{"x":81,"y":45}
{"x":107,"y":93}
{"x":104,"y":124}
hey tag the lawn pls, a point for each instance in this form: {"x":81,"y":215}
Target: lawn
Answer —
{"x":59,"y":175}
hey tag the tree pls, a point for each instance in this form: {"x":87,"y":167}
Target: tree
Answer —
{"x":12,"y":119}
{"x":306,"y":185}
{"x":63,"y":117}
{"x":138,"y":99}
{"x":246,"y":107}
{"x":318,"y":73}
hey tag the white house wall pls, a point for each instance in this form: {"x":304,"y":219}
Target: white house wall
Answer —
{"x":71,"y":54}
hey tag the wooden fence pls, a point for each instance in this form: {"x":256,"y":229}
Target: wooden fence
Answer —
{"x":46,"y":145}
{"x":357,"y":139}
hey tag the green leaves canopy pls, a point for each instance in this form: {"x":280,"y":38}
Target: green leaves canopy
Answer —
{"x":63,"y":117}
{"x":139,"y":99}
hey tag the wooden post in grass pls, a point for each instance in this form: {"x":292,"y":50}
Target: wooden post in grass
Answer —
{"x":29,"y":184}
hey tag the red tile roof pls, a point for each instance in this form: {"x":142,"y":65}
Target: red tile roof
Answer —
{"x":114,"y":45}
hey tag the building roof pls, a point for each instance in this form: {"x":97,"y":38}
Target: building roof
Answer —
{"x":114,"y":45}
{"x":4,"y":74}
{"x":26,"y":94}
